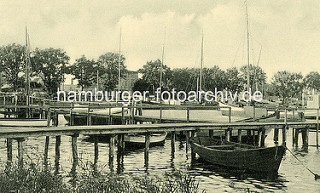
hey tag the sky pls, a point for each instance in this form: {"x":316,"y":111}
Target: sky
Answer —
{"x":284,"y":35}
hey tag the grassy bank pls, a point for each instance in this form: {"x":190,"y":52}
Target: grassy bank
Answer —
{"x":33,"y":178}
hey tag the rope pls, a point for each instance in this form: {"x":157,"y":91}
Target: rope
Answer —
{"x":316,"y":176}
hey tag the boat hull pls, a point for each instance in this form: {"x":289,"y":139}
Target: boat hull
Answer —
{"x":266,"y":159}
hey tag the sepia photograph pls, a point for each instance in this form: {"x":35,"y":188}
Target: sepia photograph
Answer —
{"x":155,"y":96}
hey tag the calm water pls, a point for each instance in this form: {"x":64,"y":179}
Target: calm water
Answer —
{"x":292,"y":177}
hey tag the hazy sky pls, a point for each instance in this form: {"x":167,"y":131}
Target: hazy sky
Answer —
{"x":286,"y":30}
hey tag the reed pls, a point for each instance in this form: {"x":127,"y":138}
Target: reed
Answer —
{"x":36,"y":178}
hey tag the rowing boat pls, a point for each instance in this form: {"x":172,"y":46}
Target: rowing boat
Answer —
{"x":238,"y":156}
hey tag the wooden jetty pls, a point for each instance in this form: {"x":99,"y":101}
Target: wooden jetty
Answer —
{"x":117,"y":132}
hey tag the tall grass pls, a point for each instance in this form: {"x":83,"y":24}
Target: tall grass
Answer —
{"x":36,"y":178}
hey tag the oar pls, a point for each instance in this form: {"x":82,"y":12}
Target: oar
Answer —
{"x":316,"y":176}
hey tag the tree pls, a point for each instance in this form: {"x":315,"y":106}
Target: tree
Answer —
{"x":182,"y":78}
{"x":141,"y":85}
{"x":151,"y":74}
{"x":257,"y":76}
{"x":214,"y":78}
{"x":84,"y":70}
{"x":50,"y":63}
{"x":287,"y":84}
{"x":12,"y":64}
{"x":312,"y":80}
{"x":108,"y":66}
{"x":233,"y":80}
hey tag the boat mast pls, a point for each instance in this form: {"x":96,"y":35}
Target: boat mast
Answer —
{"x":201,"y":64}
{"x":248,"y":42}
{"x":119,"y":63}
{"x":162,"y":58}
{"x":27,"y":62}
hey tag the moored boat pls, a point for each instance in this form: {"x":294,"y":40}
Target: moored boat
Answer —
{"x":238,"y":156}
{"x":138,"y":140}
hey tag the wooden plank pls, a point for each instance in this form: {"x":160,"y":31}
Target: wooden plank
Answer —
{"x":9,"y":132}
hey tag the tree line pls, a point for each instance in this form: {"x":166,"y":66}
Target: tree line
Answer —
{"x":51,"y":65}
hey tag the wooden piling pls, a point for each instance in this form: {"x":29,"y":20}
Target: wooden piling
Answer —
{"x":259,"y":137}
{"x":146,"y":150}
{"x":20,"y":152}
{"x":187,"y":140}
{"x":193,"y":154}
{"x":276,"y":135}
{"x":57,"y":154}
{"x":89,"y":116}
{"x":96,"y":150}
{"x":49,"y":117}
{"x":284,"y":135}
{"x":46,"y":150}
{"x":239,"y":135}
{"x":111,"y":151}
{"x":211,"y":133}
{"x":296,"y":137}
{"x":305,"y":136}
{"x":74,"y":150}
{"x":173,"y":139}
{"x":317,"y":130}
{"x":160,"y":120}
{"x":263,"y":137}
{"x":188,"y":114}
{"x":9,"y":152}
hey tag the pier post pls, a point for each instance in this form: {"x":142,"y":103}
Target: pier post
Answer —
{"x":296,"y":137}
{"x":193,"y":154}
{"x":160,"y":115}
{"x":293,"y":136}
{"x":146,"y":150}
{"x":276,"y":135}
{"x":259,"y":137}
{"x":111,"y":151}
{"x":305,"y":136}
{"x":229,"y":114}
{"x":74,"y":151}
{"x":122,"y":116}
{"x":9,"y":152}
{"x":96,"y":151}
{"x":211,"y":133}
{"x":187,"y":140}
{"x":48,"y":117}
{"x":188,"y":114}
{"x":239,"y":135}
{"x":89,"y":116}
{"x":317,"y":131}
{"x":263,"y":136}
{"x":120,"y":153}
{"x":57,"y":154}
{"x":254,"y":140}
{"x":20,"y":152}
{"x":46,"y":150}
{"x":173,"y":139}
{"x":110,"y":121}
{"x":284,"y":135}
